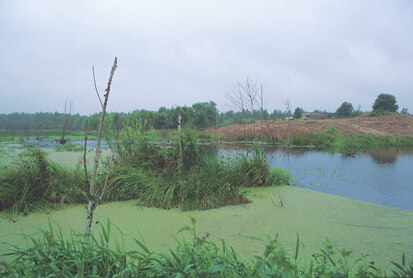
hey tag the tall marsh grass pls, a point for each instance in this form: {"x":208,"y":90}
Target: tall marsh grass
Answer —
{"x":32,"y":181}
{"x":147,"y":168}
{"x":50,"y":254}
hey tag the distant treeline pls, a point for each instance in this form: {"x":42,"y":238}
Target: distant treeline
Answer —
{"x":199,"y":115}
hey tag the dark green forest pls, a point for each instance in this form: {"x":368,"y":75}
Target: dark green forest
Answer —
{"x":200,"y":115}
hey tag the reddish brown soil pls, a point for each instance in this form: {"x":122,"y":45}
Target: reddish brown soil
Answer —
{"x":379,"y":125}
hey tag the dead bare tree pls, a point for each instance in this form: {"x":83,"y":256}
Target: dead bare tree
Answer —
{"x":251,"y":91}
{"x":262,"y":112}
{"x":237,"y":103}
{"x":68,"y":110}
{"x":96,"y":194}
{"x":287,"y":108}
{"x":179,"y":138}
{"x":242,"y":97}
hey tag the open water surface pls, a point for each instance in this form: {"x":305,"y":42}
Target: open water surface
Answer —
{"x":383,"y":177}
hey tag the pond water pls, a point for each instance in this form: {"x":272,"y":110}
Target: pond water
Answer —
{"x":382,"y":177}
{"x":48,"y":144}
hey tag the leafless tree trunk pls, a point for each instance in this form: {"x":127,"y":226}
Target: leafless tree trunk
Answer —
{"x":96,"y":196}
{"x":68,"y":110}
{"x":179,"y":138}
{"x":262,"y":113}
{"x":287,"y":108}
{"x":236,"y":99}
{"x":251,"y":91}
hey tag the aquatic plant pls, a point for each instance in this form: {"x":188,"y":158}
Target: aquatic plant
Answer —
{"x":49,"y":253}
{"x":69,"y":147}
{"x":279,"y":176}
{"x":147,"y":168}
{"x":32,"y":181}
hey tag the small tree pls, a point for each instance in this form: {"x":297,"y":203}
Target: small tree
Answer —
{"x":298,"y":113}
{"x":386,"y":102}
{"x":345,"y":110}
{"x":96,"y":192}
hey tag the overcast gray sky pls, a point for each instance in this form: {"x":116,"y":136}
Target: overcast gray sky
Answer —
{"x":317,"y":54}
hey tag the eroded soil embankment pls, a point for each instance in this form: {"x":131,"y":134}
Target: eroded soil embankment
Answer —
{"x":380,"y":125}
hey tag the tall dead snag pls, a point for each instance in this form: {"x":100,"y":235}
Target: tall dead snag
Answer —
{"x":66,"y":116}
{"x":287,"y":108}
{"x":262,"y":113}
{"x":96,"y":195}
{"x":179,"y":138}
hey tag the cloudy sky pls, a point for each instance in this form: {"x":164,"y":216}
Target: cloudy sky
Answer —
{"x":317,"y":54}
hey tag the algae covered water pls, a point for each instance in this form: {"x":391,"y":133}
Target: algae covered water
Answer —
{"x":382,"y":177}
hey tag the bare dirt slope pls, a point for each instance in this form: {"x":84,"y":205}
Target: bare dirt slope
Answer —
{"x":379,"y":125}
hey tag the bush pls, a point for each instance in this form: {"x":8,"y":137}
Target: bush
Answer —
{"x":279,"y":176}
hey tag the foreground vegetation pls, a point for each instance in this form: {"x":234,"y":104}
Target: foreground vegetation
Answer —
{"x":146,"y":168}
{"x":49,"y":254}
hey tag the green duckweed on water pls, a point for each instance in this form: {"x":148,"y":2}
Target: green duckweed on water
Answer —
{"x":381,"y":232}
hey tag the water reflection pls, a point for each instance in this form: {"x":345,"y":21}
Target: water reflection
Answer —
{"x":382,"y":177}
{"x":384,"y":157}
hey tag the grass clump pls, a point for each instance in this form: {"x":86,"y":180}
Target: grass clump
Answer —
{"x":69,"y":147}
{"x":49,"y":254}
{"x":161,"y":172}
{"x":32,"y":181}
{"x":252,"y":169}
{"x":7,"y":138}
{"x":280,"y":176}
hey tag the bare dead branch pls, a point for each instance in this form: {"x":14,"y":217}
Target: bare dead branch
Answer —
{"x":100,"y":129}
{"x":96,"y":88}
{"x":113,"y":187}
{"x":102,"y":193}
{"x":92,"y":185}
{"x":90,"y":197}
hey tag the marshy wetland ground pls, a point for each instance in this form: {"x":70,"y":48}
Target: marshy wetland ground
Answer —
{"x":383,"y":233}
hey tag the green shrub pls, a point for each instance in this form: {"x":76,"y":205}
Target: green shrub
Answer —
{"x":333,"y":131}
{"x":279,"y":176}
{"x":381,"y":112}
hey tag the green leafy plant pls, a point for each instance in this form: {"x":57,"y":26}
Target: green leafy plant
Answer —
{"x":49,"y":254}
